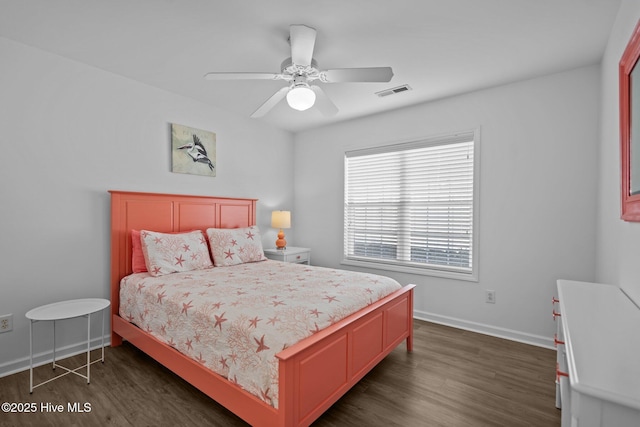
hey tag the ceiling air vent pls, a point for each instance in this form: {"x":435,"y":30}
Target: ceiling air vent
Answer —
{"x":393,"y":90}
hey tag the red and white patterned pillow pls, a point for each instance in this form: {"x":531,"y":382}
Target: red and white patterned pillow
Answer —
{"x":166,"y":253}
{"x":232,"y":246}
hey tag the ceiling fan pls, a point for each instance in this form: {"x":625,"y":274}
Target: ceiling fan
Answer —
{"x":300,"y":70}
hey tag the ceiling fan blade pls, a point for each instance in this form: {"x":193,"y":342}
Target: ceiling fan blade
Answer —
{"x":303,"y":40}
{"x":271,"y":102}
{"x":323,"y":103}
{"x":242,"y":76}
{"x":374,"y":74}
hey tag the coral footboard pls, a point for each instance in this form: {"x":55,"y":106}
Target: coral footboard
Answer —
{"x":314,"y":373}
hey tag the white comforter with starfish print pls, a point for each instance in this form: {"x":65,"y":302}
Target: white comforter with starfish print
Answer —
{"x":235,"y":319}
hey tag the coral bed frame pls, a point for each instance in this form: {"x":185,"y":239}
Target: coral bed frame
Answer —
{"x":313,"y":374}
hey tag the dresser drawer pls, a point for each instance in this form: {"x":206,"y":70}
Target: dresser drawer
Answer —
{"x":297,"y":258}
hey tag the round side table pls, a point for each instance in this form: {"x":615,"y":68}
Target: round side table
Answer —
{"x":60,"y":311}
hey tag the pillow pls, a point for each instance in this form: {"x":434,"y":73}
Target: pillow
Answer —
{"x":166,"y":253}
{"x":233,"y":246}
{"x":138,"y":264}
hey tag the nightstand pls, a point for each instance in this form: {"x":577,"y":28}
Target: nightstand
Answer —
{"x":290,"y":254}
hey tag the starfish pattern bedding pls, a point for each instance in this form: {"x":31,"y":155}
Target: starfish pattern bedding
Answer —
{"x":234,"y":320}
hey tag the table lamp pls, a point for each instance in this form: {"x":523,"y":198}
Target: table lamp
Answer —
{"x":281,"y":219}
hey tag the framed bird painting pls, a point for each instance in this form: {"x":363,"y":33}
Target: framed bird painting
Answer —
{"x":193,"y":151}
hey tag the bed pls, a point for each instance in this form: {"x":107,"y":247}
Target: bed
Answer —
{"x":311,"y":374}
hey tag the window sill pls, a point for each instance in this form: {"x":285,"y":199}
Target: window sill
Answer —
{"x":470,"y":277}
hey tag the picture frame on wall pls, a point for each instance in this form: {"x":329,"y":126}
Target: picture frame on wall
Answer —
{"x":193,"y":151}
{"x":629,"y":74}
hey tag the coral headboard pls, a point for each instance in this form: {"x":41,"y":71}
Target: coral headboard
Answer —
{"x":167,"y":213}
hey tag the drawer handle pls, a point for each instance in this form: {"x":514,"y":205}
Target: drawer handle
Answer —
{"x":554,"y":300}
{"x":559,"y":373}
{"x":556,"y":341}
{"x":556,"y":314}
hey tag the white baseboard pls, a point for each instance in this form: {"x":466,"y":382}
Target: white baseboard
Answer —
{"x":22,"y":364}
{"x":509,"y":334}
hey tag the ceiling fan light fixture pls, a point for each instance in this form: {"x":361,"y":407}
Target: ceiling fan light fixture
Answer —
{"x":300,"y":70}
{"x":301,"y":97}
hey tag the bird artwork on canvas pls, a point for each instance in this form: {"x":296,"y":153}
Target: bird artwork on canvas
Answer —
{"x":197,"y":152}
{"x":193,"y":151}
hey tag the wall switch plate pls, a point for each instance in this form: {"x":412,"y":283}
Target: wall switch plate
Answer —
{"x":490,"y":296}
{"x":6,"y":323}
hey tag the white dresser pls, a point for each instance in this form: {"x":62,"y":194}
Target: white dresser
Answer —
{"x":598,"y":355}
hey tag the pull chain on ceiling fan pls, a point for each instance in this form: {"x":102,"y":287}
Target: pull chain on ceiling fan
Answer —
{"x":300,"y":70}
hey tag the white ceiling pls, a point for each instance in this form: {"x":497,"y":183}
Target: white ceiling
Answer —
{"x":438,"y":47}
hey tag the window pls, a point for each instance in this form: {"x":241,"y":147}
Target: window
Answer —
{"x":411,"y":207}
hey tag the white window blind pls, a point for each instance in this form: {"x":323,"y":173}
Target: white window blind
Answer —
{"x":412,"y":204}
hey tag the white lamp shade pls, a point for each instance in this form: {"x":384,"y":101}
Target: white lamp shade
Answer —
{"x":281,"y":219}
{"x":301,"y":98}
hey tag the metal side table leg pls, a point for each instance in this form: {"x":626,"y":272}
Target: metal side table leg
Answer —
{"x":54,"y":345}
{"x":102,"y":336}
{"x":30,"y":356}
{"x":88,"y":347}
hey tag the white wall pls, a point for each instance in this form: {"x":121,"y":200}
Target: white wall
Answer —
{"x":537,"y":200}
{"x":618,"y":255}
{"x":69,"y":134}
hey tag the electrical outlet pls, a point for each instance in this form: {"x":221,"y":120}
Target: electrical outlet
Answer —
{"x":489,"y":296}
{"x":6,"y":323}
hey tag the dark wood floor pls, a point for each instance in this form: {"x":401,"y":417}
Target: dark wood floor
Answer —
{"x":453,"y":378}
